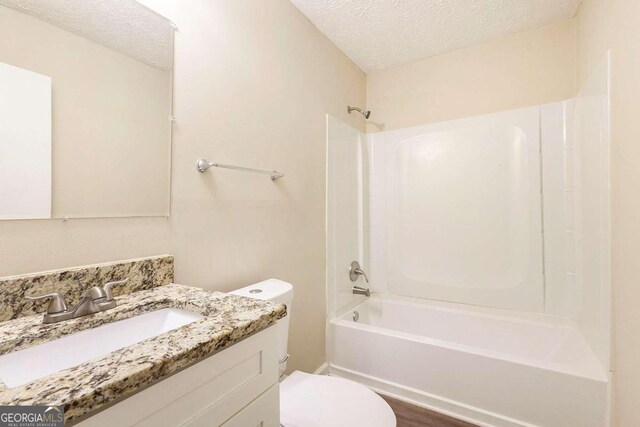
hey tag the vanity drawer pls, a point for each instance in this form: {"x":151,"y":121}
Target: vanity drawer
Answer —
{"x":213,"y":390}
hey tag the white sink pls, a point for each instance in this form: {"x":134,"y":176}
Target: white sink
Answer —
{"x":35,"y":362}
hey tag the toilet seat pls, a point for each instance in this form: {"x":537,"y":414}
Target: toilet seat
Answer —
{"x":308,"y":400}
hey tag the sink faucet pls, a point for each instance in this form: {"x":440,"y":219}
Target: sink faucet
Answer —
{"x":95,"y":300}
{"x":354,"y":272}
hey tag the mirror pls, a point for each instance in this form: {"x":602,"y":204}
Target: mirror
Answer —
{"x":85,"y":109}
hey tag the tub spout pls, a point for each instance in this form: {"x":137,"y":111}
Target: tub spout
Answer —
{"x":361,"y":291}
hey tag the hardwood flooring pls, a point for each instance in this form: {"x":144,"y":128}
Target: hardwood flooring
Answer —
{"x":409,"y":415}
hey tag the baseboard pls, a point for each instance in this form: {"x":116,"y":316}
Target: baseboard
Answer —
{"x":429,"y":401}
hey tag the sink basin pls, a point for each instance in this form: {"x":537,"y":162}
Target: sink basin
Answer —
{"x":24,"y":366}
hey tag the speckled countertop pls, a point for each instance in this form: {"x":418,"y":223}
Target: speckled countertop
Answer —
{"x":94,"y":384}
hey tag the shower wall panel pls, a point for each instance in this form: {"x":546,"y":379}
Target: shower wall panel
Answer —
{"x":593,"y":208}
{"x":345,"y":212}
{"x":457,"y":211}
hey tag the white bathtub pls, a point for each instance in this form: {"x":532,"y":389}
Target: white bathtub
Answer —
{"x":491,"y":367}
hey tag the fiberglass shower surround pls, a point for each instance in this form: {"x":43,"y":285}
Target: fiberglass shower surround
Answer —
{"x":500,"y":210}
{"x":486,"y":240}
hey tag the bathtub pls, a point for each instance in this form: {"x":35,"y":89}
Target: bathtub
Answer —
{"x":490,"y":367}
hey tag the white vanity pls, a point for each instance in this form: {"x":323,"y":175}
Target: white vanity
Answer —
{"x":236,"y":387}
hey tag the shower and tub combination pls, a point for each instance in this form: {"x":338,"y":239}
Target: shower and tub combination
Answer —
{"x":486,"y":242}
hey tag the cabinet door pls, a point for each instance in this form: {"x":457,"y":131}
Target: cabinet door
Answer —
{"x":262,"y":412}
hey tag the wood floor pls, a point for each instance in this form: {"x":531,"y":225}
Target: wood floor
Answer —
{"x":409,"y":415}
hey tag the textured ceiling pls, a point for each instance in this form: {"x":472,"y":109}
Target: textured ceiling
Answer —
{"x":122,"y":25}
{"x":377,"y":34}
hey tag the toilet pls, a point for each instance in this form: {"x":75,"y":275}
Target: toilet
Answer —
{"x":308,"y":400}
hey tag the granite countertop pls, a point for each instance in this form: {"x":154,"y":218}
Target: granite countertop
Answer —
{"x":94,"y":384}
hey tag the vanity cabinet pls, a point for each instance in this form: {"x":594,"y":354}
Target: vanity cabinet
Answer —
{"x":236,"y":387}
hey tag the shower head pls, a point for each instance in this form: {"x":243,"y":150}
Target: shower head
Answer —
{"x":366,"y":114}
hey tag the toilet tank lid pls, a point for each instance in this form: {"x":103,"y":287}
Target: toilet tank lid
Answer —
{"x":273,"y":290}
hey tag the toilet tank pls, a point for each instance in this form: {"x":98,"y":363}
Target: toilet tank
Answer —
{"x":277,"y":291}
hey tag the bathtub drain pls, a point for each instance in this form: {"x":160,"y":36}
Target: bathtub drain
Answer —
{"x":356,"y":316}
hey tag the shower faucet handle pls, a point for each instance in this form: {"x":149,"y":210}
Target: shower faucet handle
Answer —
{"x":355,"y":271}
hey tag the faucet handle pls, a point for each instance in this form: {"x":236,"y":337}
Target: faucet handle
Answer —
{"x":356,"y":271}
{"x":107,"y":287}
{"x":57,"y":304}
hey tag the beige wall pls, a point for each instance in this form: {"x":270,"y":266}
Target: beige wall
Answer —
{"x":519,"y":70}
{"x":253,"y":82}
{"x":111,"y":134}
{"x":602,"y":25}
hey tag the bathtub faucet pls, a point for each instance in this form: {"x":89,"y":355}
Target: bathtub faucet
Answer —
{"x":354,"y":272}
{"x":361,"y":291}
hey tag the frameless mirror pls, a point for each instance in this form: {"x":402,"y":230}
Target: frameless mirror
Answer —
{"x":85,"y":109}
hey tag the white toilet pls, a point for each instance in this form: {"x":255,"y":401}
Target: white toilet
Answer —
{"x":308,"y":400}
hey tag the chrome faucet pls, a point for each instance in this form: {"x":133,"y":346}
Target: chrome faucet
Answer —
{"x":95,"y":300}
{"x":354,"y":272}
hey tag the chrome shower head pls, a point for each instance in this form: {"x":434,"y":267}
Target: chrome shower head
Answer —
{"x":366,"y":113}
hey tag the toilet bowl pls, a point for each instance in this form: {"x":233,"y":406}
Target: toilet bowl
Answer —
{"x":319,"y":400}
{"x":308,"y":400}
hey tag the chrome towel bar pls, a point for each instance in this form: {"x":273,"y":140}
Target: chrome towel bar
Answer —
{"x":203,"y":165}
